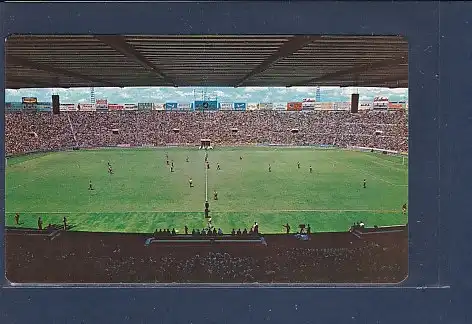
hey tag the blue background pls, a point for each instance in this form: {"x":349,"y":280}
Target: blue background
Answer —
{"x":212,"y":105}
{"x":440,"y":191}
{"x":239,"y":106}
{"x":171,"y":106}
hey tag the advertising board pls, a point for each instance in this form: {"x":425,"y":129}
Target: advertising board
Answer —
{"x":171,"y":106}
{"x":115,"y":107}
{"x":184,"y":106}
{"x":101,"y":105}
{"x":395,"y":105}
{"x":67,"y":107}
{"x":85,"y":107}
{"x":129,"y":106}
{"x":145,"y":106}
{"x":343,"y":106}
{"x":206,"y":105}
{"x":326,"y":106}
{"x":226,"y":106}
{"x":280,"y":106}
{"x":266,"y":106}
{"x":294,"y":106}
{"x":380,"y":103}
{"x":252,"y":106}
{"x":158,"y":106}
{"x":29,"y":100}
{"x":240,"y":106}
{"x":308,"y":105}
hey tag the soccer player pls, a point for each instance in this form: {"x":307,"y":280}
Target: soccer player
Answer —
{"x":365,"y":184}
{"x":40,"y":223}
{"x":218,"y":166}
{"x":17,"y":219}
{"x":109,"y":165}
{"x":206,"y":157}
{"x":167,"y":161}
{"x":207,"y":204}
{"x":215,"y":195}
{"x":172,"y":163}
{"x":240,"y":158}
{"x":270,"y":168}
{"x":186,"y":230}
{"x":187,"y":160}
{"x":190,"y":182}
{"x":404,"y":209}
{"x":110,"y":170}
{"x":311,"y":169}
{"x":90,"y":185}
{"x":65,"y":223}
{"x":172,"y":168}
{"x":298,"y":164}
{"x":208,"y":165}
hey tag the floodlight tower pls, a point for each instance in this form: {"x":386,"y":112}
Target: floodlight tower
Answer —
{"x":92,"y":95}
{"x":318,"y":94}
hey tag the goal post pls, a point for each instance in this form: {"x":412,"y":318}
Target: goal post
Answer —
{"x":205,"y":144}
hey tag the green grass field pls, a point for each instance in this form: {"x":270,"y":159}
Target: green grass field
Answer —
{"x":143,"y":194}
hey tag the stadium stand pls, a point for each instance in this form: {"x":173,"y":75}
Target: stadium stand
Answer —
{"x":30,"y":132}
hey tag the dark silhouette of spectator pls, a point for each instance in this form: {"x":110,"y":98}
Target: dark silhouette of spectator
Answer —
{"x":186,"y":230}
{"x":233,"y":232}
{"x":287,"y":227}
{"x":40,"y":223}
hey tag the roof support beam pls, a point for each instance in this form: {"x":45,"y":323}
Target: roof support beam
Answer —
{"x":50,"y":69}
{"x":400,"y":79}
{"x":29,"y":82}
{"x":119,"y":44}
{"x":354,"y":70}
{"x":288,"y":48}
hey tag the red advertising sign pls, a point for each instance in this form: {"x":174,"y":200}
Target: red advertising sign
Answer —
{"x":294,"y":106}
{"x":395,"y":105}
{"x":115,"y":107}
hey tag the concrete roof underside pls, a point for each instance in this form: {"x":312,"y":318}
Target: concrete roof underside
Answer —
{"x":58,"y":61}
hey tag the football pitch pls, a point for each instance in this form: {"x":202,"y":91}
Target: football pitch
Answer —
{"x":143,"y":194}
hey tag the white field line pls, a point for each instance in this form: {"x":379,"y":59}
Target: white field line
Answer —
{"x":367,"y":173}
{"x":384,"y":211}
{"x":206,"y":181}
{"x":388,"y":166}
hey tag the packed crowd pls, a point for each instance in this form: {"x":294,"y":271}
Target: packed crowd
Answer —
{"x":29,"y":132}
{"x":113,"y":260}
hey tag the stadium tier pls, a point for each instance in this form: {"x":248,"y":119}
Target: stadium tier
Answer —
{"x":45,"y":131}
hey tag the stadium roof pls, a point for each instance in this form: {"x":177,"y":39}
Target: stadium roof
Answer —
{"x":58,"y":61}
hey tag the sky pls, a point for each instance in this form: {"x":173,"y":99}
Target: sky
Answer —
{"x":186,"y":94}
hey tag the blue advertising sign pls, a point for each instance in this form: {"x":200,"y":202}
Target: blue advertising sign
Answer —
{"x":206,"y":105}
{"x":239,"y":106}
{"x":171,"y":106}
